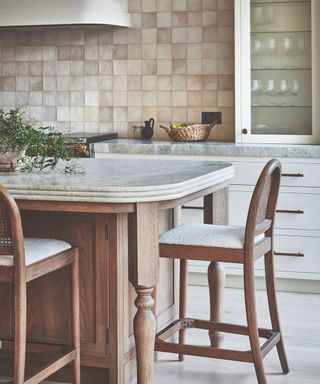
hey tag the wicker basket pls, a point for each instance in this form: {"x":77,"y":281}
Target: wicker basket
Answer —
{"x":192,"y":132}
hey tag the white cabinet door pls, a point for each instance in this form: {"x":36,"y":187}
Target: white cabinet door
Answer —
{"x":277,"y":71}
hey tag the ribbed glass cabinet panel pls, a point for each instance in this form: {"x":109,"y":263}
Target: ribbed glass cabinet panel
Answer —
{"x":281,"y":67}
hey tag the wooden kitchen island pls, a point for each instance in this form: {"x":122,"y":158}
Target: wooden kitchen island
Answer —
{"x":114,"y":213}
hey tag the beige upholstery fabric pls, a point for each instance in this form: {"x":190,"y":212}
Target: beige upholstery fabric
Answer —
{"x":206,"y":235}
{"x":37,"y":249}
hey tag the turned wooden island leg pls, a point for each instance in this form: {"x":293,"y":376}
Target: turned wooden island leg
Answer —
{"x":216,"y":279}
{"x":143,"y":275}
{"x":216,"y":211}
{"x":144,"y":331}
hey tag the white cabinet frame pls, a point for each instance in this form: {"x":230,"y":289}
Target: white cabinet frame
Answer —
{"x":243,"y":80}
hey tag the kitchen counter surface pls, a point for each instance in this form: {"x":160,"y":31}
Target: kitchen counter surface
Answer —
{"x":119,"y":181}
{"x":208,"y":148}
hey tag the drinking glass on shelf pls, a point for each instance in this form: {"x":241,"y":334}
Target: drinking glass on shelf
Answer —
{"x":271,"y":44}
{"x":270,"y":88}
{"x":283,"y":87}
{"x":284,"y":92}
{"x":258,"y":15}
{"x":256,"y":87}
{"x":260,"y":128}
{"x":295,"y":87}
{"x":255,"y":46}
{"x":287,"y":44}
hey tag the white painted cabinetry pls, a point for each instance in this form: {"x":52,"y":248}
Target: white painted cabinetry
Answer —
{"x":277,"y":73}
{"x":17,"y":13}
{"x":297,"y":225}
{"x":297,"y":232}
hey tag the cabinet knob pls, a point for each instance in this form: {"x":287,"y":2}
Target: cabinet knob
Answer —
{"x":244,"y":131}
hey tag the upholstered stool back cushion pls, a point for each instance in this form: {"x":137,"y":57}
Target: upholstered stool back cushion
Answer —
{"x":37,"y":249}
{"x":206,"y":235}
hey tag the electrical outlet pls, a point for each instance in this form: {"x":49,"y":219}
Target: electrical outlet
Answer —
{"x":211,"y":117}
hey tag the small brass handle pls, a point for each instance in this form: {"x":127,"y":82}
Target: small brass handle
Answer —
{"x":244,"y":131}
{"x":298,"y":254}
{"x":296,"y":212}
{"x":293,"y":174}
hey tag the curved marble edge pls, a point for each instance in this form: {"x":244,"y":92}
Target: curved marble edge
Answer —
{"x":208,"y":148}
{"x":215,"y":178}
{"x":38,"y":189}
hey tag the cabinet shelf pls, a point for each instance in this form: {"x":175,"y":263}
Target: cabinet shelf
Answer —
{"x":280,"y":106}
{"x":279,"y":32}
{"x":281,"y":69}
{"x":277,"y":2}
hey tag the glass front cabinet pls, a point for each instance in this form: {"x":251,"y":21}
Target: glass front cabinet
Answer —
{"x":277,"y":71}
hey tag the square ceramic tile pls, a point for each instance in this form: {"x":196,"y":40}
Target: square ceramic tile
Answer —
{"x":194,"y":83}
{"x":194,"y":98}
{"x":174,"y":51}
{"x":179,"y":19}
{"x":164,"y":19}
{"x":179,"y":5}
{"x":164,"y":98}
{"x":134,"y":98}
{"x":164,"y":5}
{"x":149,"y":20}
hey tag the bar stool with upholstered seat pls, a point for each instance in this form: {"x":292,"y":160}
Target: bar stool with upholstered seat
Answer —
{"x":243,"y":245}
{"x":21,"y":261}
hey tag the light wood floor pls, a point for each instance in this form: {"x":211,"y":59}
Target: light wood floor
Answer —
{"x":300,"y":316}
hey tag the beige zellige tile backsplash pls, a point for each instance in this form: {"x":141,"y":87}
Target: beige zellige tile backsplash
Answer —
{"x":175,"y":61}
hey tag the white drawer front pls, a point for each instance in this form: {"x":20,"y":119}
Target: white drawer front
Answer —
{"x":308,"y":246}
{"x":247,"y":173}
{"x":308,"y":203}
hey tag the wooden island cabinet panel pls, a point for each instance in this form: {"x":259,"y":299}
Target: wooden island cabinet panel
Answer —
{"x":107,"y":299}
{"x":114,"y":215}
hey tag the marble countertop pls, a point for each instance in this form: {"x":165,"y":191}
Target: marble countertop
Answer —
{"x":208,"y":148}
{"x":119,"y":181}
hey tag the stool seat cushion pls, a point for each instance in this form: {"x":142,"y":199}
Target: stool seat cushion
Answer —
{"x":206,"y":235}
{"x":37,"y":249}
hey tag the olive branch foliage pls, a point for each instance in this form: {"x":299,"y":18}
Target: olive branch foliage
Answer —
{"x":44,"y":146}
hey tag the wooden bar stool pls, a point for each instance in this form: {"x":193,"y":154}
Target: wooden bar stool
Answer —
{"x":243,"y":245}
{"x":23,"y":260}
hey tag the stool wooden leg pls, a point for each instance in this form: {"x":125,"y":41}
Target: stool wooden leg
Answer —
{"x":216,"y":279}
{"x":183,"y":299}
{"x":20,"y":302}
{"x":75,"y":316}
{"x":250,"y":302}
{"x":273,"y":308}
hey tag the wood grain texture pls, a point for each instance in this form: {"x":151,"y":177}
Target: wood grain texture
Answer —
{"x":20,"y":276}
{"x":144,"y":275}
{"x":183,"y":300}
{"x":260,"y":220}
{"x":106,"y":296}
{"x":91,"y":226}
{"x":144,"y":332}
{"x":143,"y":245}
{"x":216,"y":281}
{"x":216,"y":208}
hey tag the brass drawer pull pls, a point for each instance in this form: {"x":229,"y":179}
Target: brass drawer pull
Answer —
{"x":293,"y":174}
{"x":298,"y":254}
{"x":297,"y":211}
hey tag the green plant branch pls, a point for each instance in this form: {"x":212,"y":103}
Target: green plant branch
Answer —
{"x":44,"y":146}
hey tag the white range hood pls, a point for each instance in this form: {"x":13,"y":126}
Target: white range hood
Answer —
{"x":18,"y":13}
